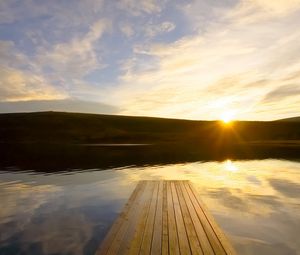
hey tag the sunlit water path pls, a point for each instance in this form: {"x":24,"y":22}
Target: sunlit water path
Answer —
{"x":256,"y":202}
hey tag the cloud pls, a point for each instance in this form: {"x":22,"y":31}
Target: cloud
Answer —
{"x":287,"y":188}
{"x":255,"y":11}
{"x":63,"y":231}
{"x":139,"y":7}
{"x":204,"y":14}
{"x":75,"y":58}
{"x":202,"y":75}
{"x":64,"y":14}
{"x":276,"y":7}
{"x":20,"y":79}
{"x":35,"y":216}
{"x":33,"y":78}
{"x":126,"y":29}
{"x":26,"y":200}
{"x":152,"y":30}
{"x":228,"y":199}
{"x":16,"y":85}
{"x":191,"y":59}
{"x":9,"y":55}
{"x":283,"y":92}
{"x":68,"y":105}
{"x":53,"y":73}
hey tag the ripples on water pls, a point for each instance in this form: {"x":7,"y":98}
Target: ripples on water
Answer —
{"x":256,"y":202}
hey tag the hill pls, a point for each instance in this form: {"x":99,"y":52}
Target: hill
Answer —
{"x":57,"y":141}
{"x":293,"y":119}
{"x":61,"y":127}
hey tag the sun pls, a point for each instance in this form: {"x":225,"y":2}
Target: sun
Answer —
{"x":227,"y":117}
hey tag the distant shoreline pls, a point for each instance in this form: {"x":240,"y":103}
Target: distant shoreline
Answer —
{"x":115,"y":144}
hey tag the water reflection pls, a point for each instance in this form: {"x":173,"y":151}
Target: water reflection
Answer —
{"x":256,"y":202}
{"x":67,"y":157}
{"x":229,"y":166}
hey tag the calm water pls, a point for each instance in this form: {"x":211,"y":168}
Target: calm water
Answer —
{"x":256,"y":202}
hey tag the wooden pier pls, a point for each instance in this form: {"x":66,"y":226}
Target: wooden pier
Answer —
{"x":165,"y":217}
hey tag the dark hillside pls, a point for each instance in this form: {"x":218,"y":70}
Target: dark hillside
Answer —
{"x":52,"y":141}
{"x":293,"y":119}
{"x":91,"y":128}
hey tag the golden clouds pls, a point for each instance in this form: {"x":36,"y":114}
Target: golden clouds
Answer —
{"x":233,"y":65}
{"x":16,"y":85}
{"x":278,"y":6}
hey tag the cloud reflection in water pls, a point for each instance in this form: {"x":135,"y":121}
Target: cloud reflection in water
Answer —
{"x":256,"y":202}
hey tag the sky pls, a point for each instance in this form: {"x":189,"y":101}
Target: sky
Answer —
{"x":167,"y":58}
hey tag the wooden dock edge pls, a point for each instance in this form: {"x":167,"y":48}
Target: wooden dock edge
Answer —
{"x":165,"y":217}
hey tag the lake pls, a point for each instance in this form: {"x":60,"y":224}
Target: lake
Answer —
{"x":51,"y":204}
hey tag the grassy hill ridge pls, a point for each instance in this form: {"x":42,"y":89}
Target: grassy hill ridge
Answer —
{"x":292,"y":119}
{"x":93,"y":128}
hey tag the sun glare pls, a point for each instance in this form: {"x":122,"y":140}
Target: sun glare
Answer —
{"x":227,"y":117}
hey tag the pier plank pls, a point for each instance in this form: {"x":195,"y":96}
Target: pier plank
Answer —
{"x":165,"y":217}
{"x":156,"y":246}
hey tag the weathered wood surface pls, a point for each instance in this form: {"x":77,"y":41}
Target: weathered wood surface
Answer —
{"x":165,"y":217}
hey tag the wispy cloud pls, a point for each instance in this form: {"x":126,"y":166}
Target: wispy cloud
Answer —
{"x":16,"y":85}
{"x":19,"y":79}
{"x":61,"y":105}
{"x":126,"y":28}
{"x":229,"y":67}
{"x":62,"y":14}
{"x":77,"y":57}
{"x":152,"y":30}
{"x":191,"y":59}
{"x":49,"y":73}
{"x":139,"y":7}
{"x":283,"y":92}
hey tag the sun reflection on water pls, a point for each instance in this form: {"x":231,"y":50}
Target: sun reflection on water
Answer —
{"x":230,"y":166}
